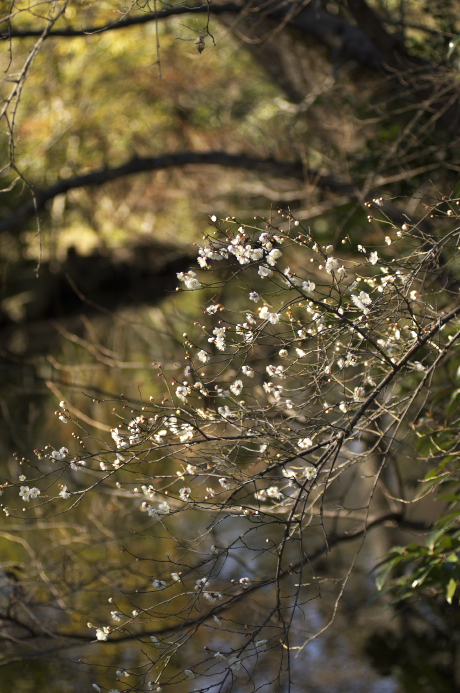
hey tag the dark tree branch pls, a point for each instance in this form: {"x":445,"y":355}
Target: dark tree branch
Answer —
{"x":143,"y":164}
{"x":367,"y":20}
{"x":330,"y":30}
{"x":127,"y":22}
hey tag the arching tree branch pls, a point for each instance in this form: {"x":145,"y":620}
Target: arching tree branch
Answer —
{"x":143,"y":164}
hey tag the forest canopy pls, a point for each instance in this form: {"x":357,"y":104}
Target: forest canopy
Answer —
{"x":229,"y":344}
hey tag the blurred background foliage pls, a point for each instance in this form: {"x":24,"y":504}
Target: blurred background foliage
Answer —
{"x":88,"y":301}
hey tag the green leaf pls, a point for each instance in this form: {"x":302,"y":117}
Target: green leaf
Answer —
{"x":434,"y":538}
{"x":450,"y":590}
{"x":382,"y":576}
{"x":452,"y":558}
{"x":422,"y":575}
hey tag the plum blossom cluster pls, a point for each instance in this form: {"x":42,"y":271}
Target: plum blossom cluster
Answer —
{"x":229,"y":474}
{"x":189,"y":279}
{"x":28,"y":494}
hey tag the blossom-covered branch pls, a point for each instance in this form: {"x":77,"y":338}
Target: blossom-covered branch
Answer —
{"x":305,"y":375}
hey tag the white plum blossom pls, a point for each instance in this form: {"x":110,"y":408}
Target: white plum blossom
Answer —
{"x":244,"y":253}
{"x":102,"y":633}
{"x":116,"y":616}
{"x":374,"y":257}
{"x":212,"y":597}
{"x":350,"y":359}
{"x":189,"y":674}
{"x":226,"y":412}
{"x":274,"y":492}
{"x":275,"y":390}
{"x":273,"y":256}
{"x":308,"y":287}
{"x":225,"y":483}
{"x":265,"y":314}
{"x":212,"y":309}
{"x":305,"y":443}
{"x":264,"y":272}
{"x":209,"y":253}
{"x":76,"y":465}
{"x":245,"y":582}
{"x":254,"y":296}
{"x":331,"y":264}
{"x":289,"y":473}
{"x":236,"y":387}
{"x":59,"y":455}
{"x":64,"y":493}
{"x":361,"y":301}
{"x":120,"y":440}
{"x":310,"y":473}
{"x":183,"y":391}
{"x":159,"y":585}
{"x":203,"y":356}
{"x":247,"y":370}
{"x":219,"y":338}
{"x":185,"y":493}
{"x":264,"y":238}
{"x":186,"y":432}
{"x":28,"y":494}
{"x":291,"y":280}
{"x":189,"y":279}
{"x":358,"y":393}
{"x":276,"y":371}
{"x":261,"y":495}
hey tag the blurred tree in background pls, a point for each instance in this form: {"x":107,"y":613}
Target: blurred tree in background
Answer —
{"x":125,"y":129}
